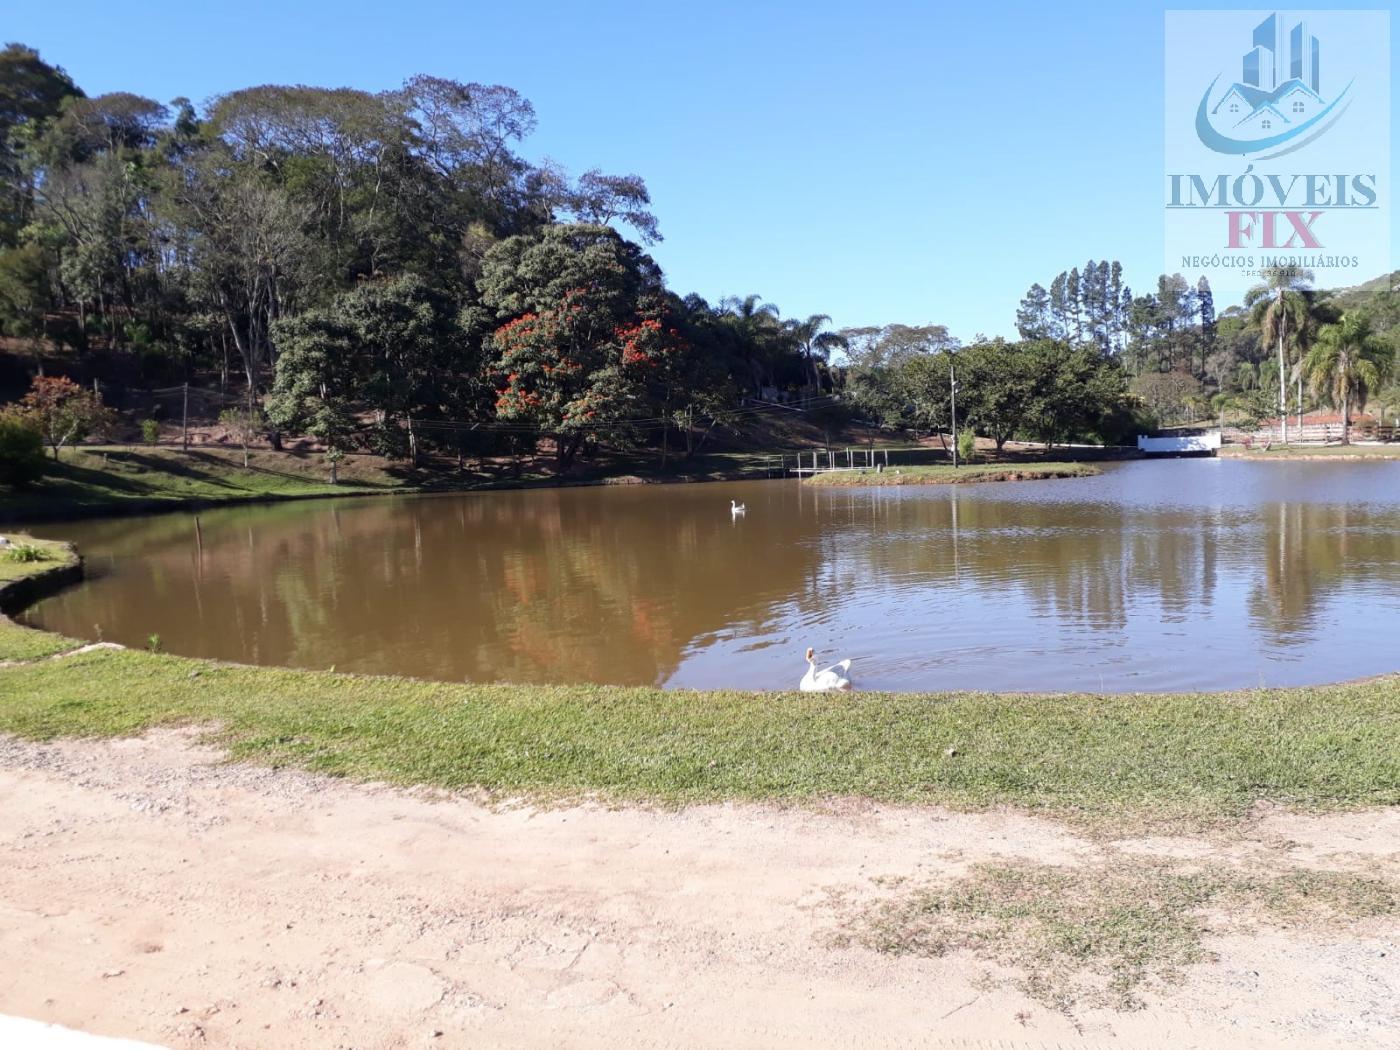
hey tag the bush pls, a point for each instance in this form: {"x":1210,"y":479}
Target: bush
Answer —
{"x":25,"y":552}
{"x":967,"y":446}
{"x":21,"y":450}
{"x":150,"y":431}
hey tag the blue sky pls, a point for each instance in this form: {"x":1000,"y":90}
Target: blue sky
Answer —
{"x":878,"y":162}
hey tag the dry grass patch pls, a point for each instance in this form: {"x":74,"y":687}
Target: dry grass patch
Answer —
{"x":1102,"y":934}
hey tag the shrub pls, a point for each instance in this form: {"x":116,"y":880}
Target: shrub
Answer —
{"x":150,"y":431}
{"x":21,"y":450}
{"x":26,"y":552}
{"x":967,"y":446}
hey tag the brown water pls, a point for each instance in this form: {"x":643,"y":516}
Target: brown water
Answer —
{"x":1156,"y":575}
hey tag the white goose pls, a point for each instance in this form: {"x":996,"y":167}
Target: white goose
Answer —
{"x":736,"y":509}
{"x":833,"y":678}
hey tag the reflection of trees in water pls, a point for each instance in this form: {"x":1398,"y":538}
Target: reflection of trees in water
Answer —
{"x":1089,"y":562}
{"x":607,"y":586}
{"x":1309,"y":553}
{"x":611,"y":585}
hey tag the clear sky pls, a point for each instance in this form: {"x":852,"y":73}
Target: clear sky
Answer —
{"x":875,"y":161}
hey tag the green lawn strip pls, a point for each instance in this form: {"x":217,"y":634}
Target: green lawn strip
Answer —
{"x":947,"y":474}
{"x":24,"y":643}
{"x":121,"y":479}
{"x":86,"y":478}
{"x":1160,"y":758}
{"x":1290,"y":452}
{"x":14,"y":566}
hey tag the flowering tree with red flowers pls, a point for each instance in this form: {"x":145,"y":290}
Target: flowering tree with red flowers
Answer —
{"x":579,"y":331}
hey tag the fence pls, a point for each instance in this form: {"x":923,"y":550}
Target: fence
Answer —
{"x":1310,"y":433}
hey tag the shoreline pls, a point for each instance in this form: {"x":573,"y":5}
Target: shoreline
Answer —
{"x":946,"y":474}
{"x":264,"y":483}
{"x":1293,"y":457}
{"x":1153,"y":758}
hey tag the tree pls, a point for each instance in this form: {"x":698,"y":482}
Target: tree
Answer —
{"x":814,"y":343}
{"x":63,"y":412}
{"x":1033,"y":317}
{"x":756,"y":332}
{"x":1347,"y":362}
{"x":1169,"y":396}
{"x":244,"y":424}
{"x":1205,"y":301}
{"x":24,"y":291}
{"x":408,"y":346}
{"x":247,"y":244}
{"x":32,"y":94}
{"x":1281,"y":310}
{"x":878,"y":378}
{"x":1075,"y":391}
{"x":21,"y":449}
{"x":565,"y":301}
{"x":318,"y":377}
{"x":997,"y":388}
{"x":601,"y":199}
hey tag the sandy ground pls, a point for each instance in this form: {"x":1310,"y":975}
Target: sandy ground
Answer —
{"x":150,"y":891}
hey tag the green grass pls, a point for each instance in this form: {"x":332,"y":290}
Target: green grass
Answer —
{"x":124,"y":478}
{"x":24,"y":643}
{"x":1155,"y":758}
{"x":1390,"y":451}
{"x":1101,"y":933}
{"x":13,"y":567}
{"x":947,"y":474}
{"x":1149,"y":759}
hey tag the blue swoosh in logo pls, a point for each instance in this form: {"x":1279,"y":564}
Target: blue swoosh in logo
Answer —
{"x":1224,"y":144}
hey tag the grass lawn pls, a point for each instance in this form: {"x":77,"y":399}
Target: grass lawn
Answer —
{"x":123,"y":477}
{"x":135,"y":478}
{"x":51,"y":553}
{"x":1390,"y":451}
{"x":946,"y":474}
{"x":1147,"y":758}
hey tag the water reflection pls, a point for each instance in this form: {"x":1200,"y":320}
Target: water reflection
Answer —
{"x":1200,"y":574}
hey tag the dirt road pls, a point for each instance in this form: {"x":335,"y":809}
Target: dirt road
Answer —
{"x":150,"y":891}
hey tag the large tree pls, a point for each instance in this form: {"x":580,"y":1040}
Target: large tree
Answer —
{"x":32,"y":94}
{"x":566,"y":303}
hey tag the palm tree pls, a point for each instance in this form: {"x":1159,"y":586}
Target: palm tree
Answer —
{"x":814,"y":343}
{"x":1346,"y":364}
{"x":1281,"y":311}
{"x":752,"y":322}
{"x":1246,"y":375}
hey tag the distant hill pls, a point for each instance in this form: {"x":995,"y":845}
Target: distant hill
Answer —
{"x":1378,"y":297}
{"x":1384,"y":283}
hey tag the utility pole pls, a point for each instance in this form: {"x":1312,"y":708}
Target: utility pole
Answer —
{"x":185,"y":421}
{"x":953,"y":394}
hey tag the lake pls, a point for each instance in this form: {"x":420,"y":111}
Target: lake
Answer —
{"x":1168,"y":575}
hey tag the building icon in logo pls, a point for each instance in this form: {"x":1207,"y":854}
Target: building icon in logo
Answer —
{"x":1277,"y":105}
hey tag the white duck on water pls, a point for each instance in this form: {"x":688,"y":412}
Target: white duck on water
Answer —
{"x":837,"y":676}
{"x":736,"y":509}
